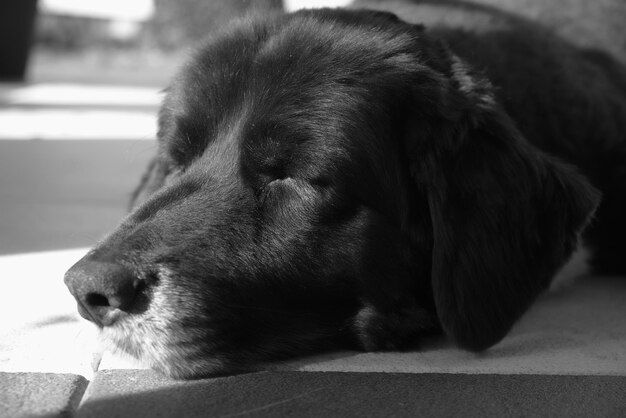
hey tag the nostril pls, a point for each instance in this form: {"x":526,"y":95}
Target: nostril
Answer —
{"x":120,"y":300}
{"x":95,"y":299}
{"x":101,"y":288}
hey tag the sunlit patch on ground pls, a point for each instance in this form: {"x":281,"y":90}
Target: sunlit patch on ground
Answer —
{"x":40,"y":330}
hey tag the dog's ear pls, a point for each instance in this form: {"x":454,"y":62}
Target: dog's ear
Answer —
{"x":504,"y":215}
{"x":152,"y":180}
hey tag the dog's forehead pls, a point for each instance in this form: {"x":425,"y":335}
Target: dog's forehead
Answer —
{"x":282,"y":87}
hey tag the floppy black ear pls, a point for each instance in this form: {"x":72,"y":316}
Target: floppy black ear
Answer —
{"x":505,"y":216}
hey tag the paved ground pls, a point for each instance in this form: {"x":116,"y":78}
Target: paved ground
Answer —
{"x":65,"y":194}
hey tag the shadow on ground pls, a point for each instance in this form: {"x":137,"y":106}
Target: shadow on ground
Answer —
{"x":354,"y":395}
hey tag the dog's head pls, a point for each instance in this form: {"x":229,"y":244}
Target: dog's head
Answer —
{"x":316,"y":164}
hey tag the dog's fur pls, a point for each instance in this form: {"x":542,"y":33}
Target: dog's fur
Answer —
{"x":344,"y":177}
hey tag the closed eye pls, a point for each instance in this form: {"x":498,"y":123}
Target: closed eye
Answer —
{"x":270,"y":189}
{"x":287,"y":188}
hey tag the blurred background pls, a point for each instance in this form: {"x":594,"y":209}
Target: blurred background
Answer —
{"x":79,"y":74}
{"x":80,"y":84}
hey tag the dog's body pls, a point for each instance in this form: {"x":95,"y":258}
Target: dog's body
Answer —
{"x":344,"y":177}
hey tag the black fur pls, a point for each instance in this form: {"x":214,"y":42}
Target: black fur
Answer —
{"x":344,"y":177}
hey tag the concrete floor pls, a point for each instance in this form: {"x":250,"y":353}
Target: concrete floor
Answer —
{"x":65,"y":194}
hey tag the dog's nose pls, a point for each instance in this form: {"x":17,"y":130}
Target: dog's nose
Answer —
{"x":101,"y":289}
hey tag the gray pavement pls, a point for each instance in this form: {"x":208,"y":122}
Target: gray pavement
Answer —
{"x":296,"y":394}
{"x":40,"y":394}
{"x":131,"y":393}
{"x":65,"y":194}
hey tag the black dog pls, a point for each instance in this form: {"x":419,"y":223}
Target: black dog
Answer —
{"x":344,"y":177}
